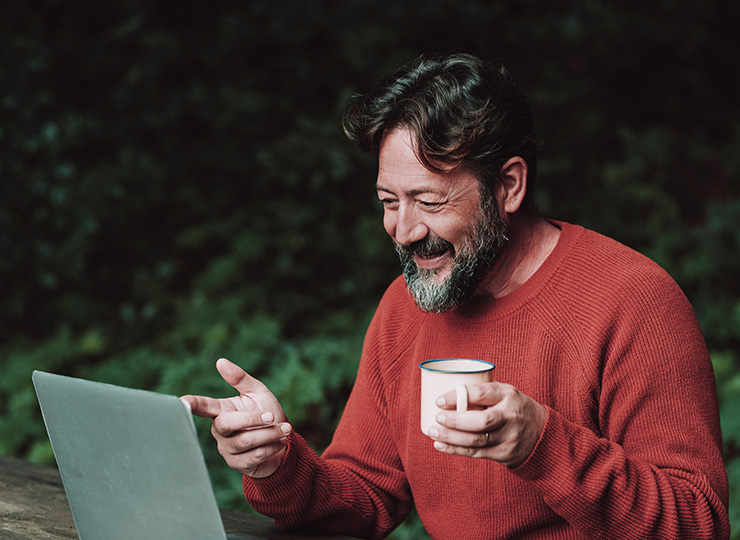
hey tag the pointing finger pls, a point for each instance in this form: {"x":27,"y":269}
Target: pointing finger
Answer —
{"x":203,"y":406}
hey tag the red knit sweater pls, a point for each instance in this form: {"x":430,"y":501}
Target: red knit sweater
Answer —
{"x":605,"y":340}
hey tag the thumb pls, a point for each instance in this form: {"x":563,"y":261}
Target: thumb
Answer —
{"x":238,"y":378}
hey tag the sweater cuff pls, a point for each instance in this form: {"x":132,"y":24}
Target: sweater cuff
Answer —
{"x":271,"y":489}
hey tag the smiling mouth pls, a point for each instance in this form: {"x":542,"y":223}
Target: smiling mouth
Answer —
{"x":431,"y":261}
{"x":429,"y":254}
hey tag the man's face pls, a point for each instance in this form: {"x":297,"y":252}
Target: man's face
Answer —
{"x":446,"y":238}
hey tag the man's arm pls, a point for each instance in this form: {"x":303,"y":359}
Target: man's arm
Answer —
{"x":357,"y":487}
{"x":654,"y":469}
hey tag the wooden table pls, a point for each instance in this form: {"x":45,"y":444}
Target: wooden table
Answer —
{"x":33,"y":506}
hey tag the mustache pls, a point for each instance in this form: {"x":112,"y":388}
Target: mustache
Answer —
{"x":427,"y":247}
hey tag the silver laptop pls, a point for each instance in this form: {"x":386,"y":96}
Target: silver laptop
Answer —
{"x":130,"y":462}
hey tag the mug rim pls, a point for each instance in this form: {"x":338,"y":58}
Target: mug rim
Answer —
{"x":489,"y":366}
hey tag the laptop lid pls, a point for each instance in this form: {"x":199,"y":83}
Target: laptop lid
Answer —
{"x":130,"y":461}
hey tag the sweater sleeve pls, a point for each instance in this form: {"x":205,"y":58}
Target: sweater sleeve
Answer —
{"x":357,"y":486}
{"x":654,"y":469}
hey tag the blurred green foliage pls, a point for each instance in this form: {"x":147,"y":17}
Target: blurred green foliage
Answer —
{"x":175,"y":186}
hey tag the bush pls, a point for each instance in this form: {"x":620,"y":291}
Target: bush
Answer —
{"x":176,"y":186}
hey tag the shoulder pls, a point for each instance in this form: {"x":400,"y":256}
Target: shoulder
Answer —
{"x":598,"y":263}
{"x":619,"y":313}
{"x":603,"y":282}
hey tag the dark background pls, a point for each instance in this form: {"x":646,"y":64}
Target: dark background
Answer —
{"x":175,"y":185}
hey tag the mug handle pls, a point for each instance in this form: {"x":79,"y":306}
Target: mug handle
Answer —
{"x":462,"y":396}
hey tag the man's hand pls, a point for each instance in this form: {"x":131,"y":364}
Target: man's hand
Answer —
{"x":506,"y":431}
{"x":250,"y":429}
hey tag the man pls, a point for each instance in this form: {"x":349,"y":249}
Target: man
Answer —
{"x":602,"y":421}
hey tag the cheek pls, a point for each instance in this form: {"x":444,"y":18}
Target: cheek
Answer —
{"x":457,"y":233}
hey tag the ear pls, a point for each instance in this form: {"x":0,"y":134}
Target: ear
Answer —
{"x":513,"y":185}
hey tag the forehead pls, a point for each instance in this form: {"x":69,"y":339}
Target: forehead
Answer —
{"x":399,"y":169}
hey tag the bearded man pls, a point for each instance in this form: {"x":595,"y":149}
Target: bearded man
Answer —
{"x":602,"y":421}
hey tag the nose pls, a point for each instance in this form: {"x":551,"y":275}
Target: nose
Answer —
{"x":404,"y":226}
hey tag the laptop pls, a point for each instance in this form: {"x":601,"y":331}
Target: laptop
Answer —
{"x":130,"y":462}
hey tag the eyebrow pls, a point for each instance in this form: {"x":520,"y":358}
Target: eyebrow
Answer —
{"x":412,"y":192}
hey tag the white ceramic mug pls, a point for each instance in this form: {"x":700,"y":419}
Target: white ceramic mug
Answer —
{"x":445,"y":374}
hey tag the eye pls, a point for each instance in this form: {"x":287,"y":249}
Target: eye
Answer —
{"x":429,"y":205}
{"x":388,"y":203}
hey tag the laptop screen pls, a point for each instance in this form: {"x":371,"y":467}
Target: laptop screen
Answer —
{"x":130,"y":461}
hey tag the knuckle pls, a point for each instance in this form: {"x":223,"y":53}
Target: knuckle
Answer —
{"x":218,"y":426}
{"x":475,"y":391}
{"x":477,"y":453}
{"x":216,"y":429}
{"x":259,"y":454}
{"x":489,"y":416}
{"x":493,"y":420}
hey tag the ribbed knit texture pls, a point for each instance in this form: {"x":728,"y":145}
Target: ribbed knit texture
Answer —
{"x":605,"y":340}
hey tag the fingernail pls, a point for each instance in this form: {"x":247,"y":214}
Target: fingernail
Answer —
{"x":267,"y":417}
{"x":441,"y":419}
{"x":441,"y":402}
{"x":285,"y":428}
{"x":439,"y":446}
{"x":433,"y":432}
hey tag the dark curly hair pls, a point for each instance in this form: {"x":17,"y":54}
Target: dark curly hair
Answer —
{"x":461,"y":111}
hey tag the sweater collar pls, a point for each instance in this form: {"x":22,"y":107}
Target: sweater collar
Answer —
{"x":481,"y":309}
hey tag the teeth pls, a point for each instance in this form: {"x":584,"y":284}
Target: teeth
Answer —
{"x":431,"y":255}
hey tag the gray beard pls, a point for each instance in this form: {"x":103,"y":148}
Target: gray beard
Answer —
{"x":477,"y":255}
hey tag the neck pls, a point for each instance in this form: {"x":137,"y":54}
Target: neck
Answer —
{"x":531,"y":240}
